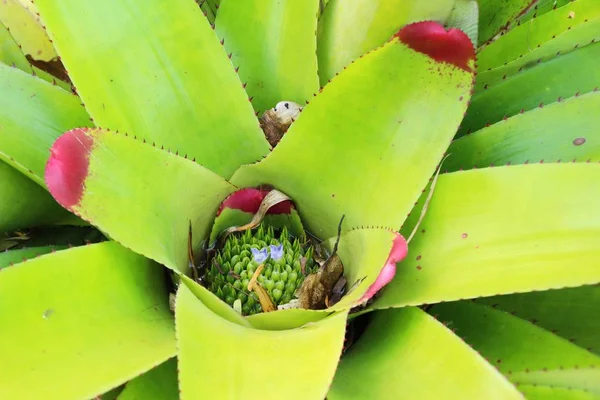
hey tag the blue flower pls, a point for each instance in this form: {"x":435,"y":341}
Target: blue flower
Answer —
{"x":260,"y":256}
{"x":276,"y":252}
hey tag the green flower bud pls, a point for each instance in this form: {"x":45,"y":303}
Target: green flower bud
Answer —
{"x":275,"y":275}
{"x":286,"y":298}
{"x":242,"y":297}
{"x":292,"y":277}
{"x":290,"y":288}
{"x":237,"y":268}
{"x":269,"y":284}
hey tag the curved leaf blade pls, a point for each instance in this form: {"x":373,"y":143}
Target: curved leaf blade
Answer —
{"x":406,"y":353}
{"x":495,"y":16}
{"x":27,"y":29}
{"x":349,"y":29}
{"x":571,"y":313}
{"x":33,"y":113}
{"x":10,"y":257}
{"x":560,"y":30}
{"x":365,"y":253}
{"x":184,"y":95}
{"x":23,"y":203}
{"x":143,"y":197}
{"x":563,"y":131}
{"x":503,"y":230}
{"x":274,"y":45}
{"x":96,"y":314}
{"x":245,"y":362}
{"x":542,"y":7}
{"x":544,"y":83}
{"x":525,"y":353}
{"x":10,"y":53}
{"x":375,"y":124}
{"x":535,"y":392}
{"x":160,"y":383}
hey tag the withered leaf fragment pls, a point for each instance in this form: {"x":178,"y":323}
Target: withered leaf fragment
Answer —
{"x":317,"y":290}
{"x":319,"y":286}
{"x":276,"y":121}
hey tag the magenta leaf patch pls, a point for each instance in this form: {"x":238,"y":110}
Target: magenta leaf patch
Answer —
{"x":452,"y":46}
{"x":397,"y":254}
{"x":249,"y":199}
{"x":67,"y":167}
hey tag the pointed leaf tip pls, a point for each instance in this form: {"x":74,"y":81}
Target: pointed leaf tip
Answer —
{"x":451,"y":46}
{"x":249,"y":199}
{"x":397,"y":254}
{"x":67,"y":166}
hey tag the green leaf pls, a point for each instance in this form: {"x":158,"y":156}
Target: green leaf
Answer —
{"x":61,"y":235}
{"x":33,"y":113}
{"x":23,"y":203}
{"x":184,"y":93}
{"x":541,"y":7}
{"x":10,"y":257}
{"x":503,"y":230}
{"x":378,"y":123}
{"x":10,"y":53}
{"x":27,"y":30}
{"x":249,"y":363}
{"x":142,"y":196}
{"x":565,"y":131}
{"x":209,"y":8}
{"x":407,"y":354}
{"x":112,"y":394}
{"x":349,"y":29}
{"x":525,"y":353}
{"x":213,"y":303}
{"x":79,"y":322}
{"x":364,"y":252}
{"x":535,"y":392}
{"x":561,"y":31}
{"x":273,"y":44}
{"x":537,"y":86}
{"x":495,"y":16}
{"x":159,"y":383}
{"x":286,"y":319}
{"x":571,"y":313}
{"x":465,"y":16}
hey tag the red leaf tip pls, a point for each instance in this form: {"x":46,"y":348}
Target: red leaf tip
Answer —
{"x":397,"y":253}
{"x":67,"y":166}
{"x":451,"y":46}
{"x":248,"y":200}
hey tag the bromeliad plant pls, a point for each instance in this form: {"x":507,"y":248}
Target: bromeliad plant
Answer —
{"x":274,"y":250}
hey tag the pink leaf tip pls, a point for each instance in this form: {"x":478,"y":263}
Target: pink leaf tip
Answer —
{"x":397,"y":254}
{"x":452,"y":46}
{"x":248,"y":200}
{"x":67,"y":166}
